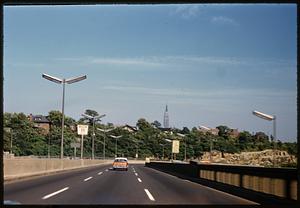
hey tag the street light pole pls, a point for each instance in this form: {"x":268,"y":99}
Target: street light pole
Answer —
{"x":116,"y":146}
{"x":211,"y":142}
{"x":63,"y":122}
{"x":94,"y":119}
{"x":11,"y":138}
{"x":49,"y":146}
{"x":182,"y":135}
{"x":63,"y":81}
{"x":163,"y":151}
{"x":104,"y":131}
{"x":269,"y":118}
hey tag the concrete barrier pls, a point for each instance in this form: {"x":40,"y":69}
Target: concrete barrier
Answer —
{"x":17,"y":168}
{"x":263,"y":185}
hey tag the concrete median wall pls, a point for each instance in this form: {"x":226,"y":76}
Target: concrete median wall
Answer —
{"x":23,"y":167}
{"x":264,"y":185}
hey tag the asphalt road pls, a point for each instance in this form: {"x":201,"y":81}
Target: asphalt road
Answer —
{"x":100,"y":185}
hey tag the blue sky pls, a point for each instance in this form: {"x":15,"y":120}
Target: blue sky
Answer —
{"x":212,"y":64}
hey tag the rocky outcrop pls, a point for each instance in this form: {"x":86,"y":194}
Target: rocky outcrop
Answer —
{"x":259,"y":158}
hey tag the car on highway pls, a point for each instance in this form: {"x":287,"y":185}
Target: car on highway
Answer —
{"x":120,"y":163}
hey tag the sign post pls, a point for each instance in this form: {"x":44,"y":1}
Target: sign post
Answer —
{"x":175,"y":147}
{"x":82,"y":130}
{"x":75,"y":145}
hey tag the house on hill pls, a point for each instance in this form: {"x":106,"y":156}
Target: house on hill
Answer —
{"x":129,"y":128}
{"x":41,"y":122}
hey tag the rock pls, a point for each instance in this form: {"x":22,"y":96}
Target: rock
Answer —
{"x":257,"y":158}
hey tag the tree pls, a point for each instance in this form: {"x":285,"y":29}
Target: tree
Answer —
{"x":92,"y":113}
{"x":142,"y":124}
{"x":223,"y":130}
{"x":55,"y":117}
{"x":246,"y":141}
{"x":156,"y":124}
{"x":185,"y":130}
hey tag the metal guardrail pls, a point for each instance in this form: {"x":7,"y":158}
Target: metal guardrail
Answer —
{"x":274,"y":184}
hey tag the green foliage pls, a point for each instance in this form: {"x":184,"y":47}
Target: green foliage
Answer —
{"x":92,"y":113}
{"x":148,"y":141}
{"x":222,"y":130}
{"x":157,"y":124}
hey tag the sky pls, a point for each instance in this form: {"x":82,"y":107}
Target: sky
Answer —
{"x":212,"y":64}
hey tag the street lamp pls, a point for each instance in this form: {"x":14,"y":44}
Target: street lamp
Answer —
{"x":9,"y":130}
{"x":93,"y":119}
{"x":63,"y":81}
{"x":170,"y":141}
{"x":268,"y":118}
{"x":105,"y":131}
{"x":211,"y":142}
{"x":182,"y":135}
{"x":116,"y":147}
{"x":163,"y":152}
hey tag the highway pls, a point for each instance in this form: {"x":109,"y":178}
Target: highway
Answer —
{"x":101,"y":185}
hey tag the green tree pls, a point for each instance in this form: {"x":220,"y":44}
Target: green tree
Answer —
{"x":143,"y":125}
{"x":223,"y":130}
{"x":156,"y":124}
{"x":92,"y":113}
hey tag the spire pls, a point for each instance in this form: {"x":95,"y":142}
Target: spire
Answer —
{"x":166,"y":118}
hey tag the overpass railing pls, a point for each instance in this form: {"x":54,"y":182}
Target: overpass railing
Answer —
{"x":255,"y":183}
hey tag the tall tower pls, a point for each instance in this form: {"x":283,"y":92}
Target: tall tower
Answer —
{"x":166,"y":118}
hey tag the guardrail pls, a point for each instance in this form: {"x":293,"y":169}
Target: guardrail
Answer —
{"x":263,"y":185}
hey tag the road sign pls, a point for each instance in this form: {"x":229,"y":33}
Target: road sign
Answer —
{"x":82,"y":129}
{"x":175,"y":146}
{"x":75,"y":145}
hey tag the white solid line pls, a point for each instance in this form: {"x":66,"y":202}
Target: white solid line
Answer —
{"x":88,"y":178}
{"x":100,"y":173}
{"x":139,"y":180}
{"x":149,"y":195}
{"x":54,"y":193}
{"x":136,"y":174}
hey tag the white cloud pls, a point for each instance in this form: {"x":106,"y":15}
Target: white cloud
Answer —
{"x":168,"y":62}
{"x":125,"y":61}
{"x":210,"y":94}
{"x":224,"y":21}
{"x":186,"y":11}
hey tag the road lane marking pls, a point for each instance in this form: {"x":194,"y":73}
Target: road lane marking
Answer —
{"x":54,"y":193}
{"x":106,"y":170}
{"x":136,"y":174}
{"x":89,"y":178}
{"x":149,"y":195}
{"x":139,"y":180}
{"x":100,"y":173}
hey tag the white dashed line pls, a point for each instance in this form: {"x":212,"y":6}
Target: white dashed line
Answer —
{"x":149,"y":195}
{"x":89,"y":178}
{"x":136,"y":174}
{"x":106,"y":170}
{"x":54,"y":193}
{"x":100,"y":173}
{"x":139,"y":180}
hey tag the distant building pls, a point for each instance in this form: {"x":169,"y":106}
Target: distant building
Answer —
{"x":165,"y":129}
{"x":41,"y":122}
{"x":129,"y":128}
{"x":234,"y":133}
{"x":166,"y":118}
{"x":213,"y":131}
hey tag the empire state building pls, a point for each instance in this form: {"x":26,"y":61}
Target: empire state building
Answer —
{"x":166,"y":118}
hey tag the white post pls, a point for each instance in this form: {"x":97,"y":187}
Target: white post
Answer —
{"x":81,"y":155}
